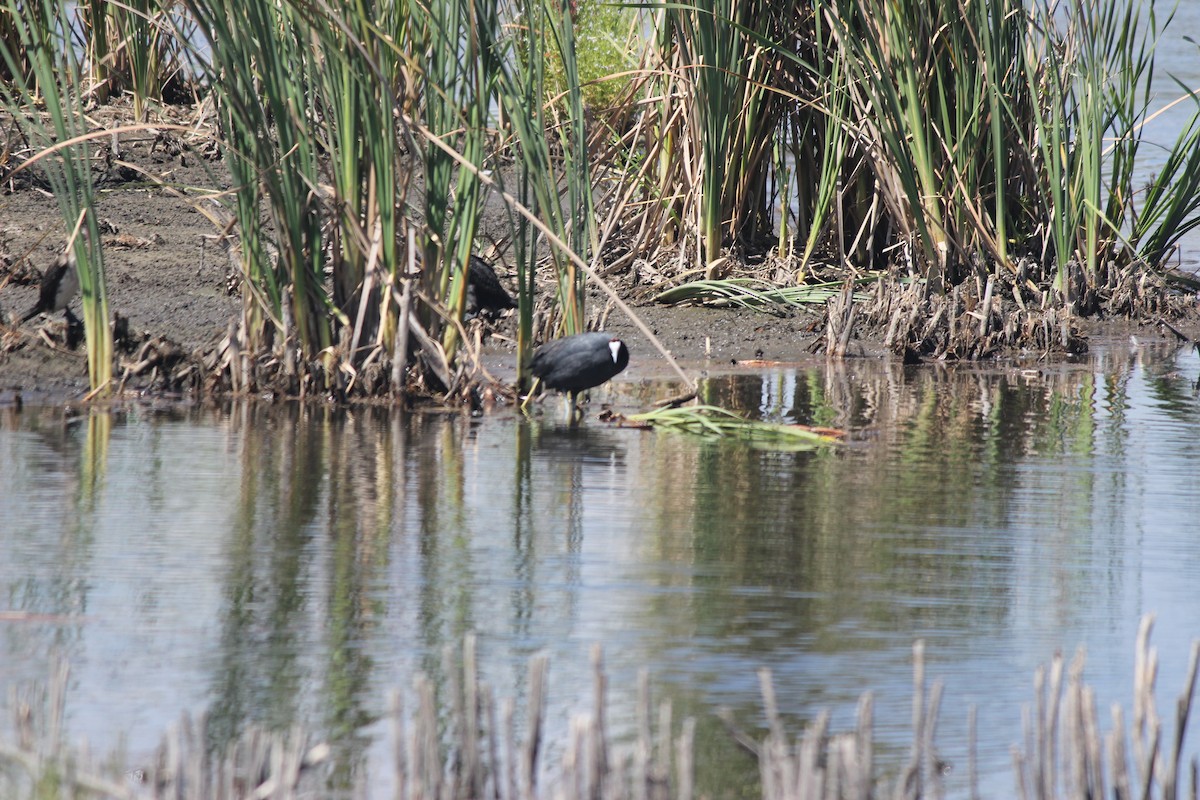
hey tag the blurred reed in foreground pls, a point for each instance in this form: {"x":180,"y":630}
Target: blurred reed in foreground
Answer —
{"x":466,"y":746}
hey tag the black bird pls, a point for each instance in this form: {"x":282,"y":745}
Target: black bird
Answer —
{"x":484,"y":290}
{"x":575,"y":364}
{"x":60,"y":284}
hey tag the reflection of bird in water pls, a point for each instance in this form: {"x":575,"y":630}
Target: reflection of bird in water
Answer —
{"x":577,"y":363}
{"x":485,"y":293}
{"x":579,"y":446}
{"x":60,"y":284}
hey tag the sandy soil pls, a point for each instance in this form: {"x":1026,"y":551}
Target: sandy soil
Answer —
{"x":169,"y":278}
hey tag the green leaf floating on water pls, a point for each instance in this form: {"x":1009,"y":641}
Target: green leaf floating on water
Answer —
{"x":712,"y":422}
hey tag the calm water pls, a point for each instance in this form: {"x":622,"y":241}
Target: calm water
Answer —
{"x":277,"y":564}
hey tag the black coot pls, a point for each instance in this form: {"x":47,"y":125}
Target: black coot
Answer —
{"x":576,"y":363}
{"x":485,"y":293}
{"x":60,"y":284}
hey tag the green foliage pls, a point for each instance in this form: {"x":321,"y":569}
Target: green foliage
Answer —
{"x":950,"y":139}
{"x":605,"y":35}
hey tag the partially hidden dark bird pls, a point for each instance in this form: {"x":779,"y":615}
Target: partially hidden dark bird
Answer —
{"x":60,"y":284}
{"x":485,"y":293}
{"x":577,"y":363}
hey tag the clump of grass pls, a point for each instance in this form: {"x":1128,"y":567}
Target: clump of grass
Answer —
{"x":262,"y":71}
{"x":137,"y":45}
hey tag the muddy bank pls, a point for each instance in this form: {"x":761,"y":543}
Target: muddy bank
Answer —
{"x":171,"y":280}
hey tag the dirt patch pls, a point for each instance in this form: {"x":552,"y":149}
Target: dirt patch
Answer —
{"x":171,"y":281}
{"x":165,"y":275}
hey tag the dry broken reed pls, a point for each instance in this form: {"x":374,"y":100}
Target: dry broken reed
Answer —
{"x":466,"y":745}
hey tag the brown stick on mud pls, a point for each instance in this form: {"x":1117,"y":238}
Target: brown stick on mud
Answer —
{"x":839,"y":325}
{"x":985,"y":323}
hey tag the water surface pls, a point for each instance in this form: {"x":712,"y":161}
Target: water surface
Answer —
{"x":280,"y":564}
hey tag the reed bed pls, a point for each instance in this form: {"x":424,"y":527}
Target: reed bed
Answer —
{"x":459,"y":742}
{"x":949,"y":145}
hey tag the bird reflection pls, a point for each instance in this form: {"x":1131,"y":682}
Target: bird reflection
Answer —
{"x":572,"y":443}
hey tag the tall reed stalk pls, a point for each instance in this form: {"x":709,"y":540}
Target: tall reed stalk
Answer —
{"x":98,"y":29}
{"x":522,"y":92}
{"x":572,"y":130}
{"x":459,"y":72}
{"x":729,"y":56}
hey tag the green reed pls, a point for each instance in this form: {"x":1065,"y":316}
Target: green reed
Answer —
{"x":950,"y":138}
{"x":522,"y":92}
{"x":146,"y":51}
{"x":1171,"y":205}
{"x":820,"y":145}
{"x":571,"y":132}
{"x":45,"y":71}
{"x":261,"y":71}
{"x":128,"y":45}
{"x":454,"y":37}
{"x":727,"y":54}
{"x":359,"y":83}
{"x":98,"y":29}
